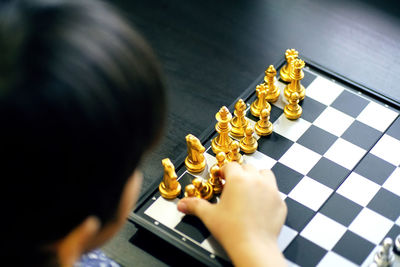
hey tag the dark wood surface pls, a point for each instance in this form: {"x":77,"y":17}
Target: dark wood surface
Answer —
{"x":211,"y":51}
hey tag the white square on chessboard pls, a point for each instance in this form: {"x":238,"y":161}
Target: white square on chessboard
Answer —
{"x":259,"y":160}
{"x":323,"y":231}
{"x":333,"y":121}
{"x":393,"y":182}
{"x":165,"y":212}
{"x":285,"y":237}
{"x":333,"y":259}
{"x":212,"y":245}
{"x":291,"y":129}
{"x":310,"y":193}
{"x":345,"y":153}
{"x":300,"y":158}
{"x":371,"y":225}
{"x":377,"y":116}
{"x":358,"y":189}
{"x":323,"y":90}
{"x":281,"y":102}
{"x":388,"y":148}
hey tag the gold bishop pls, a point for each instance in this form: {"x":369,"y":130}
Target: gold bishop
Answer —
{"x":223,"y":141}
{"x":272,"y":90}
{"x":239,"y":121}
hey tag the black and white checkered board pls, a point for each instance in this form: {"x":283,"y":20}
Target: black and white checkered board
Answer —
{"x":337,"y":169}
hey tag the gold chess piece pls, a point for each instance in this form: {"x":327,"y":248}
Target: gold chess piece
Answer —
{"x":248,"y":144}
{"x":215,"y":179}
{"x":169,"y":188}
{"x":285,"y":71}
{"x":239,"y":122}
{"x":261,"y":102}
{"x":297,"y":75}
{"x":272,"y":90}
{"x":234,"y":154}
{"x":264,"y":127}
{"x":205,"y":189}
{"x":293,"y":110}
{"x":223,"y":141}
{"x":195,"y":161}
{"x":221,"y":159}
{"x":191,"y":191}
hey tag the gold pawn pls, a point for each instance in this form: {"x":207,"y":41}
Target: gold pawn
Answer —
{"x":285,"y":71}
{"x":195,"y":161}
{"x":248,"y":144}
{"x":293,"y":110}
{"x":272,"y":90}
{"x":234,"y":154}
{"x":221,"y":159}
{"x":239,"y":122}
{"x":215,"y":179}
{"x":297,"y":75}
{"x":264,"y":127}
{"x":223,"y":141}
{"x":205,"y":189}
{"x":169,"y":188}
{"x":261,"y":102}
{"x":191,"y":191}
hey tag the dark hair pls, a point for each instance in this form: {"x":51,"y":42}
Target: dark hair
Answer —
{"x":81,"y":100}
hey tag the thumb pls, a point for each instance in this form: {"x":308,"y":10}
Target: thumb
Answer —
{"x":195,"y":206}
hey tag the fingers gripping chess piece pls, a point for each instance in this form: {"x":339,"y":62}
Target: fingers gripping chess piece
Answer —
{"x":239,"y":122}
{"x":285,"y":71}
{"x":169,"y":188}
{"x":384,"y":257}
{"x":272,"y":90}
{"x":248,"y":144}
{"x":191,"y":191}
{"x":195,"y":161}
{"x":234,"y":154}
{"x":296,"y":75}
{"x":223,"y":141}
{"x":215,"y":179}
{"x":264,"y":127}
{"x":261,"y":102}
{"x":293,"y":110}
{"x":204,"y":188}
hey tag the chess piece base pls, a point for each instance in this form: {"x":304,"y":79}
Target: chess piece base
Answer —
{"x":255,"y":111}
{"x":264,"y":131}
{"x":169,"y":194}
{"x":207,"y":194}
{"x":292,"y":115}
{"x":248,"y":149}
{"x":216,"y":148}
{"x":195,"y":168}
{"x":272,"y":98}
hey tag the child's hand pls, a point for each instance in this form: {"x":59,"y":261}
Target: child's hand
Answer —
{"x":248,"y":218}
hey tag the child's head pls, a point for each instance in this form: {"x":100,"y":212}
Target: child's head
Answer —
{"x":81,"y":100}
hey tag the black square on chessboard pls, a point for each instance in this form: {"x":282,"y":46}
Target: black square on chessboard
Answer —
{"x":298,"y":215}
{"x":304,"y":252}
{"x":193,"y":227}
{"x":386,"y":203}
{"x":394,"y":130}
{"x":308,"y":78}
{"x":317,"y":139}
{"x":185,"y":180}
{"x":286,"y":178}
{"x":274,"y":115}
{"x":374,"y":168}
{"x":274,"y":145}
{"x":311,"y":109}
{"x":341,"y":209}
{"x":328,"y":173}
{"x":353,"y":247}
{"x":393,"y":232}
{"x":362,"y":135}
{"x":350,"y":103}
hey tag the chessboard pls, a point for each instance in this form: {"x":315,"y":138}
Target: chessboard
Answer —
{"x":337,"y":169}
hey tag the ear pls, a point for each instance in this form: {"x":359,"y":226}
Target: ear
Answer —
{"x":72,"y":246}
